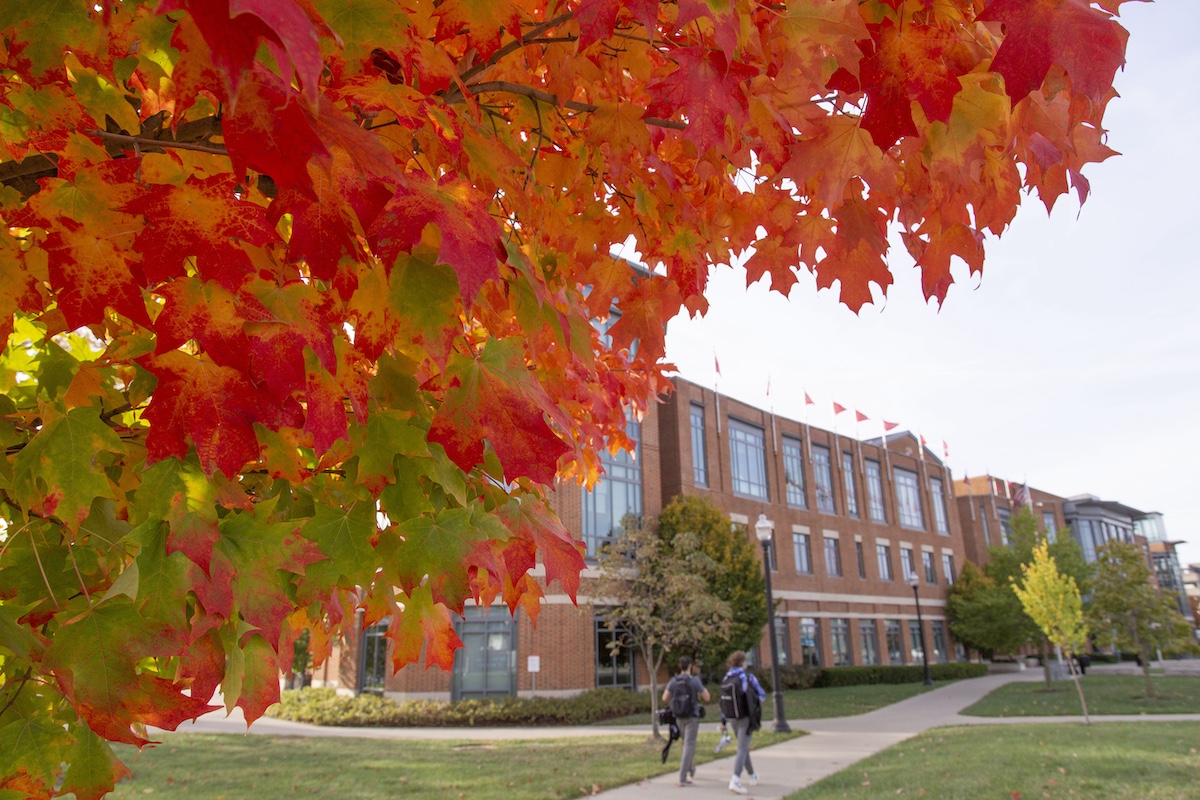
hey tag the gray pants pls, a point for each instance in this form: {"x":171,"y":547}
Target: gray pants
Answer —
{"x":688,"y":728}
{"x":741,"y":732}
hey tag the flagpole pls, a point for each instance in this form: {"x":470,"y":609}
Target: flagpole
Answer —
{"x":970,"y":494}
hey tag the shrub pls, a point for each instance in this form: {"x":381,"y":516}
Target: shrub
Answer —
{"x":326,"y":707}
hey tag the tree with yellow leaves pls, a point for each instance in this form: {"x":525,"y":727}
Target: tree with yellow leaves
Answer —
{"x":1051,"y":599}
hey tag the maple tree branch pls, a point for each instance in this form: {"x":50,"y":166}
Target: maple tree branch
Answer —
{"x":526,"y":38}
{"x":143,"y":141}
{"x":553,"y":99}
{"x":23,"y":680}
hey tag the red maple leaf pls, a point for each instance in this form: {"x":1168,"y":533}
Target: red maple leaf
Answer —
{"x":212,"y":406}
{"x":204,"y":218}
{"x":211,"y":315}
{"x":470,"y":239}
{"x":90,"y":272}
{"x":494,"y":397}
{"x":482,"y":22}
{"x":707,"y":88}
{"x":561,"y":554}
{"x":1087,"y":42}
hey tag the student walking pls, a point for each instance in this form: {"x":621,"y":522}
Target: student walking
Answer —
{"x":685,"y":693}
{"x":741,"y":704}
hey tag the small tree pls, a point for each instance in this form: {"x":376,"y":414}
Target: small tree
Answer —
{"x":1051,"y":599}
{"x":736,"y":576}
{"x":988,"y":614}
{"x":1128,"y":611}
{"x":658,"y":592}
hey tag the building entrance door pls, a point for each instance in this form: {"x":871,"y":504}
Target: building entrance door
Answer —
{"x":486,"y":665}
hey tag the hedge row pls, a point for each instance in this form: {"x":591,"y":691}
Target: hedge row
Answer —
{"x":794,"y":676}
{"x":326,"y":707}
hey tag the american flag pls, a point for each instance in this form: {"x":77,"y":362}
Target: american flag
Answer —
{"x":1021,"y":496}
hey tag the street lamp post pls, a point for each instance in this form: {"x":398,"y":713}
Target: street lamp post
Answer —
{"x":764,"y":530}
{"x":915,"y":582}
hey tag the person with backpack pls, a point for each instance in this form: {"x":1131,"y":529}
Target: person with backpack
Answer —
{"x":684,"y":694}
{"x":741,"y":704}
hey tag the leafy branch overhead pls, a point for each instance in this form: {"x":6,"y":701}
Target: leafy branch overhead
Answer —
{"x":297,"y":298}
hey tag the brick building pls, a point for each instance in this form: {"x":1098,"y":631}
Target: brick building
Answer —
{"x":986,"y":506}
{"x":853,"y":520}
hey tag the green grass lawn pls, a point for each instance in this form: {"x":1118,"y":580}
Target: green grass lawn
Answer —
{"x":229,"y":767}
{"x":1113,"y":761}
{"x":1106,"y":694}
{"x":839,"y":701}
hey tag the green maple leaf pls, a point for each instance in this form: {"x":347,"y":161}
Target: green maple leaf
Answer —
{"x":252,"y":674}
{"x":94,"y":769}
{"x":344,"y":535}
{"x":61,"y":471}
{"x":414,"y":550}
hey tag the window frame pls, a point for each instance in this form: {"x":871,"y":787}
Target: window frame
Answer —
{"x":802,"y":545}
{"x":832,"y":547}
{"x":839,"y":633}
{"x":948,"y":568}
{"x":699,"y":443}
{"x":624,"y":470}
{"x":795,"y":494}
{"x":941,"y":521}
{"x":744,"y":439}
{"x":930,"y":566}
{"x":823,"y":478}
{"x":868,"y":637}
{"x":851,"y":485}
{"x":908,"y":564}
{"x":861,"y":558}
{"x":883,"y":561}
{"x":909,"y":507}
{"x":876,"y":502}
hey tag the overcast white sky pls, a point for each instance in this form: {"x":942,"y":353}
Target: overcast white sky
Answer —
{"x":1075,"y":363}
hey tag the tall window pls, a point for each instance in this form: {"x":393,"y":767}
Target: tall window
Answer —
{"x":908,"y":498}
{"x":793,"y":469}
{"x":486,"y":665}
{"x":781,"y":640}
{"x":614,"y":659}
{"x":833,"y":558}
{"x":869,"y":638}
{"x":939,"y":505}
{"x":839,"y":639}
{"x":749,"y":454}
{"x":862,"y":562}
{"x":699,"y":448}
{"x":823,"y":478}
{"x":1050,"y":525}
{"x":983,"y":518}
{"x":851,"y":492}
{"x":1006,"y":524}
{"x":930,"y":567}
{"x":374,"y":658}
{"x":875,"y":491}
{"x":771,"y":552}
{"x":810,"y":642}
{"x":803,"y":553}
{"x":914,"y":634}
{"x":883,"y":553}
{"x":948,"y":568}
{"x":895,"y":642}
{"x":616,"y":495}
{"x":906,"y":562}
{"x":941,"y":653}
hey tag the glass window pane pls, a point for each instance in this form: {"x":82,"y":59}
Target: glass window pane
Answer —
{"x":793,"y":467}
{"x":851,"y":490}
{"x":823,"y":478}
{"x":748,"y":454}
{"x":883,"y":554}
{"x":908,"y":499}
{"x":869,"y":638}
{"x":699,"y":452}
{"x":802,"y":553}
{"x":875,"y":491}
{"x":616,"y":495}
{"x":833,"y":558}
{"x":939,"y":505}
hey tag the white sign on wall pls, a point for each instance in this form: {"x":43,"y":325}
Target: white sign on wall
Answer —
{"x":535,"y":664}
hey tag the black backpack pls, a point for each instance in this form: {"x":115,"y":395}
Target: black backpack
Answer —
{"x":683,"y":697}
{"x":734,"y":704}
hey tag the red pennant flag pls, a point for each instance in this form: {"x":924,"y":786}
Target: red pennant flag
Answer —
{"x":945,"y":449}
{"x":887,"y":426}
{"x":860,"y":417}
{"x":768,"y":386}
{"x":808,"y":401}
{"x":717,"y":365}
{"x":923,"y":444}
{"x":838,"y":408}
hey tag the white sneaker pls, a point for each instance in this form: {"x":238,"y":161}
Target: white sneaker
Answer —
{"x":736,"y":787}
{"x":754,"y":779}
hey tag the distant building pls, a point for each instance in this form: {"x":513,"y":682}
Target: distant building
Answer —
{"x":986,"y":506}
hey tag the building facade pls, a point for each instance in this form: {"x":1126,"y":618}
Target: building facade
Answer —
{"x":986,"y":506}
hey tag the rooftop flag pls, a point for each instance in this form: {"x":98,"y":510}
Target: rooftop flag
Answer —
{"x":838,"y":408}
{"x":808,"y":401}
{"x":860,"y":417}
{"x":887,"y":426}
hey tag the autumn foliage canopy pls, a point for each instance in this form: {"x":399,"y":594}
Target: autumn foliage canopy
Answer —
{"x":299,"y":295}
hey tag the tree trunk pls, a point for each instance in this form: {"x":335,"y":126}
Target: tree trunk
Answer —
{"x":652,"y":667}
{"x":1078,"y":688}
{"x":1046,"y":663}
{"x":1145,"y":651}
